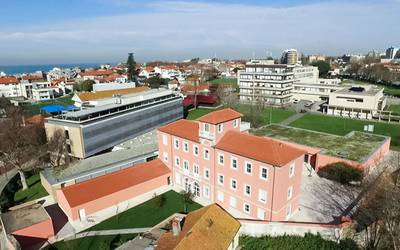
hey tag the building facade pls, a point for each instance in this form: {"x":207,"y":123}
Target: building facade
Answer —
{"x":249,"y":176}
{"x":289,"y":56}
{"x":263,"y":81}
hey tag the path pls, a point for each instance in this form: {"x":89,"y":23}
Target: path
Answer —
{"x":113,"y":232}
{"x":6,"y":177}
{"x":292,"y":118}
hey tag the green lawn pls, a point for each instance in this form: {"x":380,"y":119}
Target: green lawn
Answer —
{"x":93,"y":242}
{"x":342,"y":126}
{"x":35,"y":190}
{"x":34,"y":108}
{"x":147,"y":214}
{"x":395,"y":109}
{"x":228,"y":81}
{"x":196,"y":113}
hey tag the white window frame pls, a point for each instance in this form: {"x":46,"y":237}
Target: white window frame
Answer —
{"x":245,"y":168}
{"x":206,"y":125}
{"x":237,"y":162}
{"x":259,"y":212}
{"x":177,"y":161}
{"x":219,"y":159}
{"x":261,"y":173}
{"x":232,"y":201}
{"x":236,"y":184}
{"x":244,"y":208}
{"x":235,"y":123}
{"x":245,"y":190}
{"x":206,"y":191}
{"x":290,"y":192}
{"x":178,"y":178}
{"x":204,"y":154}
{"x":194,"y":150}
{"x":288,"y":211}
{"x":176,"y":143}
{"x":219,"y":179}
{"x":260,"y":191}
{"x":186,"y":163}
{"x":165,"y":139}
{"x":220,"y":128}
{"x":195,"y":166}
{"x":206,"y":170}
{"x":185,"y":147}
{"x":220,"y":196}
{"x":292,"y":169}
{"x":165,"y":156}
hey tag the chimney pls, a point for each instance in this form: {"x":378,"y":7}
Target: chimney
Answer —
{"x":176,"y":226}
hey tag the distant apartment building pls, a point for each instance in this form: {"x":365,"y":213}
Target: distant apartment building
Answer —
{"x":9,"y":86}
{"x":249,"y":176}
{"x":290,"y":56}
{"x":264,"y":81}
{"x":392,"y":53}
{"x":356,"y":102}
{"x":108,"y":118}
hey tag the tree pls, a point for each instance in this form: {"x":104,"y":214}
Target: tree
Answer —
{"x":57,"y":148}
{"x":323,"y":67}
{"x":131,"y":67}
{"x":86,"y":85}
{"x":187,"y":198}
{"x":155,"y":82}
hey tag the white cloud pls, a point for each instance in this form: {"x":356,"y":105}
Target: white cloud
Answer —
{"x":176,"y":30}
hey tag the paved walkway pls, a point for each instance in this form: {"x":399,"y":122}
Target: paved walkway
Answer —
{"x":113,"y":232}
{"x":291,"y":119}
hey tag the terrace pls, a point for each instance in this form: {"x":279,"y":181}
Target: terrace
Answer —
{"x":355,"y":146}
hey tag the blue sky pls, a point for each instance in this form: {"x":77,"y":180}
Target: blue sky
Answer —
{"x":74,"y":31}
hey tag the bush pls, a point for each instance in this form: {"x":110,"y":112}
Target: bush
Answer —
{"x":342,"y":173}
{"x":159,"y":200}
{"x":309,"y":241}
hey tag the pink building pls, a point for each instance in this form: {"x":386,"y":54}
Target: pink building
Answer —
{"x":89,"y":197}
{"x":249,"y":176}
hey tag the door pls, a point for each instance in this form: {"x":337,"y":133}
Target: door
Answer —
{"x":82,"y":214}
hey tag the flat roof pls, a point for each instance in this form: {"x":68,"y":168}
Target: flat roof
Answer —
{"x":368,"y":90}
{"x":355,"y":146}
{"x":97,"y":188}
{"x":129,"y":151}
{"x":24,"y":217}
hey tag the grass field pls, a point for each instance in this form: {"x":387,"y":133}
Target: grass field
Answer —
{"x":342,"y":126}
{"x":35,"y":190}
{"x":229,"y":81}
{"x":395,"y":109}
{"x":273,"y":114}
{"x":34,"y":108}
{"x":144,"y":215}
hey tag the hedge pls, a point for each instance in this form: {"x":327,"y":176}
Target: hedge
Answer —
{"x":342,"y":173}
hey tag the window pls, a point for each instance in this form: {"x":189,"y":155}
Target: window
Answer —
{"x":262,"y":196}
{"x":195,"y":150}
{"x":290,"y":192}
{"x":66,"y":134}
{"x":165,"y":156}
{"x":291,"y":170}
{"x":196,"y":169}
{"x":186,"y":147}
{"x":206,"y":173}
{"x":176,"y":144}
{"x":288,"y":211}
{"x":220,"y":196}
{"x":232,"y":201}
{"x":177,"y":161}
{"x":233,"y":184}
{"x":207,"y":127}
{"x":249,"y":168}
{"x":178,"y":178}
{"x":164,"y":140}
{"x":196,"y":189}
{"x":234,"y":163}
{"x":235,"y":123}
{"x":246,"y":208}
{"x":260,"y":214}
{"x":206,"y":192}
{"x":221,"y":159}
{"x":247,"y":190}
{"x":187,"y":185}
{"x":221,"y":179}
{"x":206,"y":154}
{"x":186,"y":165}
{"x":263,"y":173}
{"x":220,"y":128}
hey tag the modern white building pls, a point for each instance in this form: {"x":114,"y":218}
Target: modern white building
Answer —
{"x":264,"y":81}
{"x":37,"y":91}
{"x":113,"y":86}
{"x":362,"y":102}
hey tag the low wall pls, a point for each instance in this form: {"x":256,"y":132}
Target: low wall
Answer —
{"x":257,"y":228}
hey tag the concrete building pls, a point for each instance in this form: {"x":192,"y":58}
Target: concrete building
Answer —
{"x":113,"y":86}
{"x":9,"y":86}
{"x":289,"y":56}
{"x":37,"y":91}
{"x":362,"y":102}
{"x":249,"y":176}
{"x":392,"y":53}
{"x":264,"y":81}
{"x":111,"y":120}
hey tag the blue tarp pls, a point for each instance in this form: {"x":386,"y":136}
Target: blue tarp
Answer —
{"x":57,"y":108}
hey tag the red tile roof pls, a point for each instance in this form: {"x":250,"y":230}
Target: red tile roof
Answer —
{"x":192,"y":88}
{"x":183,"y":128}
{"x":220,"y":116}
{"x":109,"y":184}
{"x":257,"y":148}
{"x":32,"y":78}
{"x":99,"y":72}
{"x":8,"y":80}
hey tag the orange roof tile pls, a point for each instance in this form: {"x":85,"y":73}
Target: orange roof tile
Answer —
{"x":182,"y":128}
{"x":105,"y":185}
{"x":220,"y":116}
{"x":32,"y":77}
{"x":210,"y":227}
{"x":91,"y":96}
{"x":189,"y":87}
{"x":261,"y":149}
{"x":8,"y":80}
{"x":99,"y":72}
{"x":36,"y":120}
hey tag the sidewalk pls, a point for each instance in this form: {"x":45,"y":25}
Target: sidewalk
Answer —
{"x":113,"y":232}
{"x":292,"y":118}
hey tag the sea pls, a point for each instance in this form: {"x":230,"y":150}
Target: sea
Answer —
{"x":19,"y":69}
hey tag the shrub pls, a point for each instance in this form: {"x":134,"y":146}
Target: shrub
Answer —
{"x":159,"y":200}
{"x":341,"y":172}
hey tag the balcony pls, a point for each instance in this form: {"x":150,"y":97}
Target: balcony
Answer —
{"x":207,"y":135}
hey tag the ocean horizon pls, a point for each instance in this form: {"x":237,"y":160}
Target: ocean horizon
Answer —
{"x":19,"y":69}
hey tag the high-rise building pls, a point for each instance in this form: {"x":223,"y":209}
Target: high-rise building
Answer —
{"x":393,"y":53}
{"x":289,"y":56}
